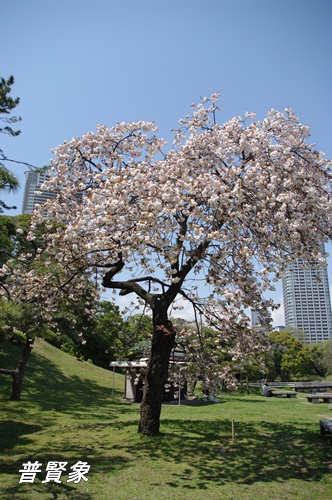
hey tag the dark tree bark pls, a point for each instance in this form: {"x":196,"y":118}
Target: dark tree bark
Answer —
{"x":156,"y":375}
{"x":163,"y":340}
{"x":18,"y":373}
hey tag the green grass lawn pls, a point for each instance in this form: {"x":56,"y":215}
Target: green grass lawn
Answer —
{"x":67,"y":413}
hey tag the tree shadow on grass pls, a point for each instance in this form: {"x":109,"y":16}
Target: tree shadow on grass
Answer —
{"x":48,"y":388}
{"x":104,"y":466}
{"x":48,"y":392}
{"x":50,"y":491}
{"x":262,"y":452}
{"x":21,"y":430}
{"x":102,"y":458}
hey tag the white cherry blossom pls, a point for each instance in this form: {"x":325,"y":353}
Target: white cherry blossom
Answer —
{"x":227,"y":205}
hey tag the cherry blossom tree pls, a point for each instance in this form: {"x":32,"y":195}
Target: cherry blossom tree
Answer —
{"x":211,"y":220}
{"x":215,"y":361}
{"x":26,"y":264}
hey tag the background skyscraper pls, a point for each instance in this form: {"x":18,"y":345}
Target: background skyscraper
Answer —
{"x":307,"y":301}
{"x":33,"y":195}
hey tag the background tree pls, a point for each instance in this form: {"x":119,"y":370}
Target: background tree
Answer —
{"x":7,"y":104}
{"x":322,"y":355}
{"x":216,"y":363}
{"x":297,"y":333}
{"x":10,"y":317}
{"x":19,"y":254}
{"x":103,"y":337}
{"x":13,"y":237}
{"x":8,"y":181}
{"x":101,"y":333}
{"x":228,"y":207}
{"x":31,"y":327}
{"x":135,"y":339}
{"x":289,"y":358}
{"x":14,"y":243}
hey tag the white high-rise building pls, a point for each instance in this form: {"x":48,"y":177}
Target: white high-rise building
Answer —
{"x":32,"y":192}
{"x":307,"y":301}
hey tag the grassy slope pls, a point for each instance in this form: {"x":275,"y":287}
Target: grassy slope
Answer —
{"x":67,"y":413}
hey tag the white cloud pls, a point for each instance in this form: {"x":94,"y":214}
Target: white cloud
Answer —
{"x":278,"y":317}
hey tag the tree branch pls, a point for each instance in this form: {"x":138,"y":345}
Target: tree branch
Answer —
{"x":7,"y":372}
{"x":128,"y":287}
{"x":4,"y":158}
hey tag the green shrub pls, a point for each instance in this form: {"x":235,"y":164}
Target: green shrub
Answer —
{"x":68,"y":345}
{"x":17,"y":337}
{"x":52,"y":338}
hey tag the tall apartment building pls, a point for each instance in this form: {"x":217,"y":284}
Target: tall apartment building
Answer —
{"x":307,"y":301}
{"x":32,"y":192}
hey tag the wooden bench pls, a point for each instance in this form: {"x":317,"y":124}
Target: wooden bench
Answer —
{"x":312,"y":386}
{"x":325,"y":427}
{"x":315,"y":398}
{"x":288,"y":394}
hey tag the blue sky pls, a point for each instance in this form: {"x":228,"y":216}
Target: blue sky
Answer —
{"x":78,"y":63}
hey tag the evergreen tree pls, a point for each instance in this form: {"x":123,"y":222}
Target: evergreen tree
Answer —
{"x":8,"y":180}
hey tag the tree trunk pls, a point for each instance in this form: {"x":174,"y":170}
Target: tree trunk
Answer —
{"x":163,"y":342}
{"x":18,"y":373}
